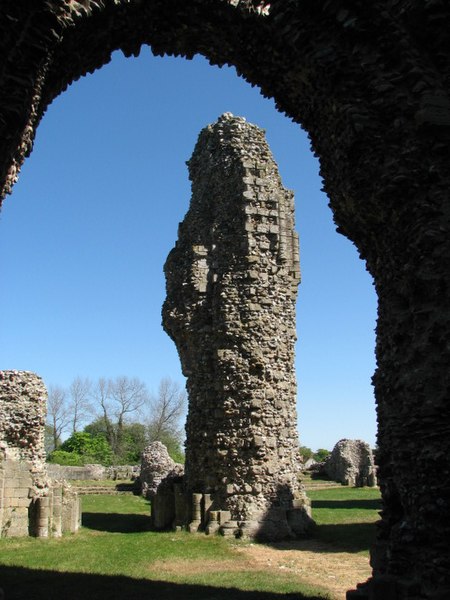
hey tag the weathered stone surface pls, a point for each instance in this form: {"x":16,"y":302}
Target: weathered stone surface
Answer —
{"x":115,"y":472}
{"x":23,"y":400}
{"x":231,"y":287}
{"x":351,"y":463}
{"x":369,"y":82}
{"x":157,"y":467}
{"x":93,"y":472}
{"x":160,"y":479}
{"x":30,"y":502}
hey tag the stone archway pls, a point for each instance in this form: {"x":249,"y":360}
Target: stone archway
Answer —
{"x":369,"y":82}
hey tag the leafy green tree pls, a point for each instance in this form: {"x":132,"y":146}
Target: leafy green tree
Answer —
{"x":68,"y":459}
{"x":92,"y":449}
{"x":97,"y":427}
{"x":134,"y":440}
{"x":306,"y":453}
{"x":175,"y":451}
{"x":321,"y":454}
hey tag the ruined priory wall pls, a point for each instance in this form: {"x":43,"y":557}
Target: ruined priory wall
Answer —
{"x":30,"y":502}
{"x":23,"y":409}
{"x":23,"y":405}
{"x":231,"y":288}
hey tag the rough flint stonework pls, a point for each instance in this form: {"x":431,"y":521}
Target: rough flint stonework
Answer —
{"x":156,"y":465}
{"x":369,"y":82}
{"x":161,"y":483}
{"x":30,"y":502}
{"x":351,"y":463}
{"x":231,"y":289}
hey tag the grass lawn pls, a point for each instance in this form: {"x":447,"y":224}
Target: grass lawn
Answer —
{"x":116,"y":556}
{"x":346,"y":516}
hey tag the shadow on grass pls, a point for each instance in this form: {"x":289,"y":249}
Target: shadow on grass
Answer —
{"x":369,"y":504}
{"x":346,"y":537}
{"x":27,"y":584}
{"x":116,"y":522}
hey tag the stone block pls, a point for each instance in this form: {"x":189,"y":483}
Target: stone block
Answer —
{"x":16,"y":493}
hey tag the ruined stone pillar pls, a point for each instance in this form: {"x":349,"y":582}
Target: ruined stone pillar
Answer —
{"x":29,"y":503}
{"x":22,"y":456}
{"x":42,"y":516}
{"x":231,"y":289}
{"x":57,"y":511}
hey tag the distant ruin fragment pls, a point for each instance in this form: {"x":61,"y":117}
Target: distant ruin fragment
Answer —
{"x":351,"y":463}
{"x":30,"y":502}
{"x":231,"y":289}
{"x":160,"y":480}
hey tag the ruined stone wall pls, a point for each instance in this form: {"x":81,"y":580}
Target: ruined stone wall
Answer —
{"x":231,"y":289}
{"x":351,"y":463}
{"x":92,"y":472}
{"x":30,"y":502}
{"x":370,"y":83}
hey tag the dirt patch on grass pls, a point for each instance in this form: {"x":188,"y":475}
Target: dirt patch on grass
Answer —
{"x":313,"y":563}
{"x":309,"y":561}
{"x":181,"y":566}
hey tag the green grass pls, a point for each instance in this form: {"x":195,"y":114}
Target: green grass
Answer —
{"x":116,"y":556}
{"x":346,"y":517}
{"x":98,"y":482}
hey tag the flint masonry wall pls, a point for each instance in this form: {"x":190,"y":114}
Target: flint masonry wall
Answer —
{"x":30,"y":502}
{"x":351,"y":462}
{"x":231,"y":288}
{"x":369,"y":82}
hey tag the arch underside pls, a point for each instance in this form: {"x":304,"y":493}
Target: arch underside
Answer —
{"x":370,"y":84}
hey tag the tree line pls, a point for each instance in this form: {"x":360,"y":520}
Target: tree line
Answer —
{"x":112,"y":420}
{"x":319,"y":455}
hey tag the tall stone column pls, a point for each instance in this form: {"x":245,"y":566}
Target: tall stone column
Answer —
{"x":231,"y":289}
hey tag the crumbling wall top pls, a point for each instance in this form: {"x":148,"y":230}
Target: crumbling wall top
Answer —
{"x":23,"y":409}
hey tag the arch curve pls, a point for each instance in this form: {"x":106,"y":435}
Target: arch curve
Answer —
{"x":370,"y":83}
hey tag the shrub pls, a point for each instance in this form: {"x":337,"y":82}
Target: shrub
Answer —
{"x":321,"y":454}
{"x":305,"y":453}
{"x":68,"y":459}
{"x":91,"y":449}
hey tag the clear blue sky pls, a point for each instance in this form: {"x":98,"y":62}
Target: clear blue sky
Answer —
{"x":85,"y":234}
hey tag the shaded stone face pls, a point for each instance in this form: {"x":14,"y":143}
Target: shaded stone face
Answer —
{"x":231,"y":288}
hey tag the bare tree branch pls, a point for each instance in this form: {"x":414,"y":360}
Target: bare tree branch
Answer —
{"x":100,"y":396}
{"x":167,"y":408}
{"x":80,"y":405}
{"x":117,"y":399}
{"x":58,"y":416}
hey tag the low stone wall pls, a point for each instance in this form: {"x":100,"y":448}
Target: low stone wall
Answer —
{"x":93,"y":472}
{"x":86,"y":472}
